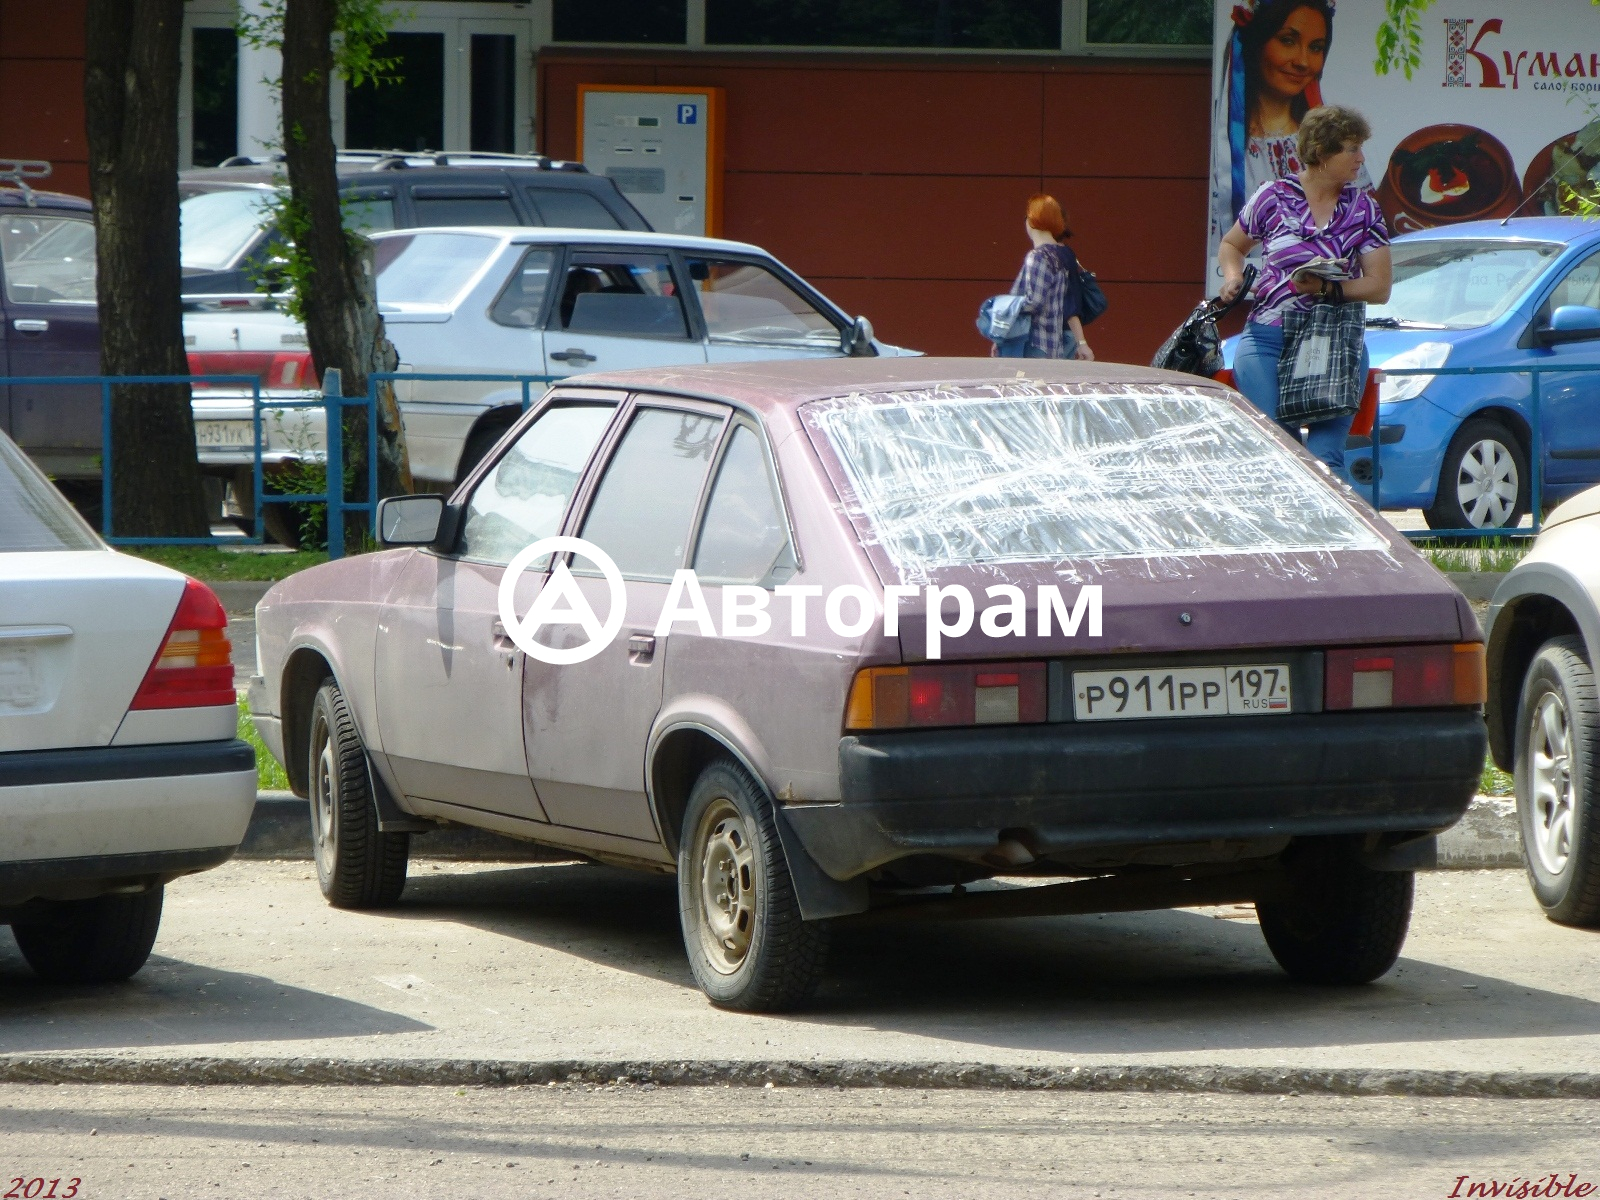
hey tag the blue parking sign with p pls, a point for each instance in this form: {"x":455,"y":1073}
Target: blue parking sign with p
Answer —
{"x":688,"y":113}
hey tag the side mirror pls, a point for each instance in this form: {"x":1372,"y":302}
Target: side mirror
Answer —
{"x":857,"y":340}
{"x":1570,"y":323}
{"x":409,"y":520}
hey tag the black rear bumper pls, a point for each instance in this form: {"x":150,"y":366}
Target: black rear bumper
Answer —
{"x":1074,"y":786}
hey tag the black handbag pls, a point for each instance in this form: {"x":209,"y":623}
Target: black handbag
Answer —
{"x":1092,"y":301}
{"x":1195,"y":347}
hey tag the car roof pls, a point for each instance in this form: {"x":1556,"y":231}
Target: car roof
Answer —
{"x":1527,"y":229}
{"x":533,"y":234}
{"x":11,"y":197}
{"x":780,"y":384}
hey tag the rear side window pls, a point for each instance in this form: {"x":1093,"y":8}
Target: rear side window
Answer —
{"x":215,"y":228}
{"x":523,"y":498}
{"x":570,"y":209}
{"x":33,"y":515}
{"x":743,"y":536}
{"x":521,"y":304}
{"x":1031,"y":473}
{"x":645,"y":505}
{"x":368,"y":213}
{"x":465,"y":210}
{"x":429,"y":268}
{"x":48,"y":259}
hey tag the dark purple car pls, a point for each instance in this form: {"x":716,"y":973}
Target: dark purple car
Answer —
{"x":1103,"y":631}
{"x":47,"y":298}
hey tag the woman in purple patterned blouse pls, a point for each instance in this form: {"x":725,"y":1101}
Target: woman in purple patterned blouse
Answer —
{"x":1319,"y":213}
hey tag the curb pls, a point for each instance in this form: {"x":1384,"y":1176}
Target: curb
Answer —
{"x":1258,"y":1081}
{"x":280,"y":827}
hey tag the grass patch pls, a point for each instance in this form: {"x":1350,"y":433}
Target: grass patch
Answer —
{"x":270,"y":777}
{"x":1474,"y":554}
{"x":1494,"y":781}
{"x":214,"y":564}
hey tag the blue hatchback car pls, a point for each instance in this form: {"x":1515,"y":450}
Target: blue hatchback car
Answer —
{"x":1518,"y":293}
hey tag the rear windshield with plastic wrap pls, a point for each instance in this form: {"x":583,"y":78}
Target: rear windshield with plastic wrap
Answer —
{"x":1034,"y":472}
{"x":33,"y":515}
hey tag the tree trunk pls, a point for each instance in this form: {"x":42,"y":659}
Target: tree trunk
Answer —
{"x":131,"y":97}
{"x":343,"y":328}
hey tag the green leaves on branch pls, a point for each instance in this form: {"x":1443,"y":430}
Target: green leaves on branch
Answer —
{"x":360,"y":27}
{"x":1399,"y":37}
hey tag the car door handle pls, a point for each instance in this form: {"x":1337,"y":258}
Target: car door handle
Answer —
{"x":641,"y":649}
{"x":28,"y":325}
{"x":572,"y":354}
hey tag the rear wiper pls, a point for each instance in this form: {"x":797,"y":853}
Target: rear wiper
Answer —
{"x":1398,"y":323}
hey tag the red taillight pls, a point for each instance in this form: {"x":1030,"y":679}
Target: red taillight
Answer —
{"x":947,"y":694}
{"x":289,"y":369}
{"x":194,"y":667}
{"x":1434,"y":676}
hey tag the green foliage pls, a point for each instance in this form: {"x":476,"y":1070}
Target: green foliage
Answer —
{"x":216,"y":564}
{"x":270,"y":776}
{"x":1399,"y":37}
{"x":307,"y":475}
{"x":360,"y":27}
{"x":1474,"y":554}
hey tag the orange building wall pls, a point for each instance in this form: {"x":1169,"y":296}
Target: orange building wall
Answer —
{"x":897,"y":184}
{"x":41,"y":89}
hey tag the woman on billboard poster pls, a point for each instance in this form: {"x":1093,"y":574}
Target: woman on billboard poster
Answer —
{"x":1271,"y":77}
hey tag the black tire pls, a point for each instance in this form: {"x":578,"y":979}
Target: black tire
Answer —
{"x":747,"y":945}
{"x":1480,"y":445}
{"x":1336,"y":921}
{"x":1558,"y":794}
{"x":479,"y":442}
{"x":357,"y":865}
{"x":102,"y":940}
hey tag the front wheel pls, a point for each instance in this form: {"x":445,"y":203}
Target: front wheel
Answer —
{"x":101,"y":940}
{"x":1557,"y":775}
{"x":748,"y":947}
{"x":1484,"y":482}
{"x":358,"y":865}
{"x":1336,"y":921}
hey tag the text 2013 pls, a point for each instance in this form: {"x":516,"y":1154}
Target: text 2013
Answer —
{"x":39,"y":1188}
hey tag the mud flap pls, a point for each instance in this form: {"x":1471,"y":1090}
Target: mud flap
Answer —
{"x":391,"y":817}
{"x":819,"y":894}
{"x":1419,"y":854}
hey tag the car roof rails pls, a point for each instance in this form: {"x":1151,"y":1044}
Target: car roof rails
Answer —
{"x":17,"y":172}
{"x":252,"y":160}
{"x":399,"y":160}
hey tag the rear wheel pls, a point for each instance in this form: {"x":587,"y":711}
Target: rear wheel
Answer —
{"x":1336,"y":921}
{"x":747,"y":945}
{"x":1484,"y":482}
{"x":358,"y":866}
{"x":103,"y":940}
{"x":1558,"y":781}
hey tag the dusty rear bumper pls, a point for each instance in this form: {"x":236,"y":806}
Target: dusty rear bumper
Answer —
{"x":1070,"y":787}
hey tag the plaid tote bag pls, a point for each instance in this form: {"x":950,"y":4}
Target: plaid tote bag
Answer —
{"x":1319,"y":375}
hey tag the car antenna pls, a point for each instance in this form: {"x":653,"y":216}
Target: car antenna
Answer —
{"x":18,"y":171}
{"x":1550,"y":178}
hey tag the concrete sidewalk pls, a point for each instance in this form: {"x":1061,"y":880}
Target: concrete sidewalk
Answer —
{"x":493,"y":973}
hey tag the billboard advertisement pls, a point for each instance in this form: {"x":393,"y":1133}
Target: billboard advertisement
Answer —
{"x":1479,"y":108}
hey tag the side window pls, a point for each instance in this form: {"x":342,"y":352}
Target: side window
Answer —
{"x":621,"y":294}
{"x":644,"y":506}
{"x":570,"y":209}
{"x":524,"y":497}
{"x":368,"y":212}
{"x":458,"y":208}
{"x":522,"y":302}
{"x":744,"y":303}
{"x":48,"y":260}
{"x":1581,"y":286}
{"x":743,"y":537}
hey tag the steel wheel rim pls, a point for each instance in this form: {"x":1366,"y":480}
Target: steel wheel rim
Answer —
{"x":1552,"y":802}
{"x":725,"y":886}
{"x":1487,"y":483}
{"x":323,"y":797}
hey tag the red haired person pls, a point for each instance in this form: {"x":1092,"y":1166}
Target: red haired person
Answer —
{"x":1051,"y":283}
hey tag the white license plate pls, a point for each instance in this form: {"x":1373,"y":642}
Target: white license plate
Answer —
{"x":19,"y":680}
{"x":224,"y":433}
{"x":1250,"y":689}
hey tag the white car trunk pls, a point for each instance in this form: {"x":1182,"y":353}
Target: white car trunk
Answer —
{"x":78,"y":631}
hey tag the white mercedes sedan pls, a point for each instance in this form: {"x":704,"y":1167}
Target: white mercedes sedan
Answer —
{"x":119,"y":765}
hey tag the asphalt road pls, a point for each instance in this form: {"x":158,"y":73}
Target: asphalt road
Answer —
{"x":136,"y":1142}
{"x":575,"y":963}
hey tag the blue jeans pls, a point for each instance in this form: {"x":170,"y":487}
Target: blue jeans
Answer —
{"x":1255,"y":371}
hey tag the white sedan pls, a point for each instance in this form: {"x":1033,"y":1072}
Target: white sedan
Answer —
{"x":119,"y":765}
{"x":516,"y":301}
